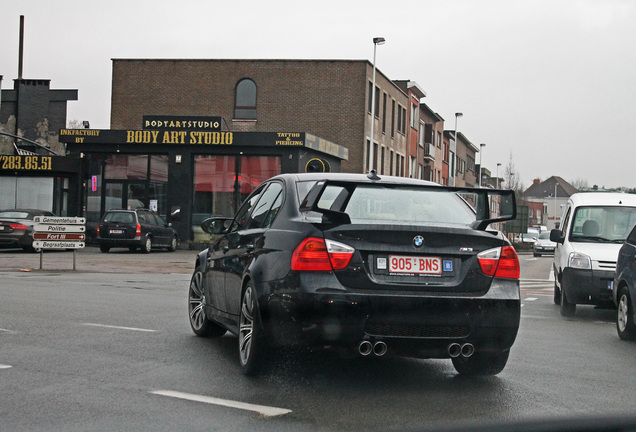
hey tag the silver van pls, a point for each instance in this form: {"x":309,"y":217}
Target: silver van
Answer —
{"x":595,"y":225}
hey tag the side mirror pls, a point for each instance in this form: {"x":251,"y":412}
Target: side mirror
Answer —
{"x":557,"y":236}
{"x":216,"y":225}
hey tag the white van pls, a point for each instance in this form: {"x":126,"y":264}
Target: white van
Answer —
{"x":595,"y":225}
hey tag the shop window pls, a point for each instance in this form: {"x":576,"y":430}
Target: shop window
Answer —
{"x":245,"y":101}
{"x":126,"y":167}
{"x":221,"y":183}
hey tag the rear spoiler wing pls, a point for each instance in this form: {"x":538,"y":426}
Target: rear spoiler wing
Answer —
{"x":486,"y":201}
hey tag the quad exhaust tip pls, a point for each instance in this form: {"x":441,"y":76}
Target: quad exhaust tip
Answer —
{"x":465,"y":350}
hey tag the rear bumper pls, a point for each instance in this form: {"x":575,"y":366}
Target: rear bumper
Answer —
{"x":119,"y":242}
{"x":411,"y":324}
{"x":23,"y":241}
{"x":587,"y":286}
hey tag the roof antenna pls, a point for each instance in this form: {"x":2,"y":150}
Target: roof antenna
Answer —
{"x":372,"y":175}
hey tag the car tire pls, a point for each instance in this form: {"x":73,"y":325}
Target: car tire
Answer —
{"x":201,"y":325}
{"x":625,"y":325}
{"x":253,"y":349}
{"x":173,"y":244}
{"x":104,"y":249}
{"x":567,"y":309}
{"x":536,"y":254}
{"x":557,"y":294}
{"x":146,"y":246}
{"x":481,"y":363}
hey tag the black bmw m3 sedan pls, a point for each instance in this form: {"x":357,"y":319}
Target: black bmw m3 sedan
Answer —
{"x":368,"y":265}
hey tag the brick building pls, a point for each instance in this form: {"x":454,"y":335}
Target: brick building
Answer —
{"x":34,"y":169}
{"x":328,"y":98}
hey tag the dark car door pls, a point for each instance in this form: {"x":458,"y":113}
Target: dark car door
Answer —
{"x":246,"y":241}
{"x":219,"y":262}
{"x":163,"y":233}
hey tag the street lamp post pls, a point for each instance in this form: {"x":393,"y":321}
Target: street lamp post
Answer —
{"x":481,"y":152}
{"x":454,"y":149}
{"x":376,"y":41}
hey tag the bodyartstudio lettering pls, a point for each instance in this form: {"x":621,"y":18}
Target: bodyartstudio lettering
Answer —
{"x":180,"y":123}
{"x":178,"y":137}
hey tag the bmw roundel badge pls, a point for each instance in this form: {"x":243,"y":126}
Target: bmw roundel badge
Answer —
{"x":418,"y":241}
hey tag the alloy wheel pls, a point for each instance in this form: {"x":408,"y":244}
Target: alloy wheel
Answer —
{"x":196,"y":301}
{"x":246,"y":325}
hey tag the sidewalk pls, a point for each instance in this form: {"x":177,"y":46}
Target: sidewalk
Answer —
{"x":91,"y":260}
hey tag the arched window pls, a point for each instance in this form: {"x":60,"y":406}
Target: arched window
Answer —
{"x":245,"y":100}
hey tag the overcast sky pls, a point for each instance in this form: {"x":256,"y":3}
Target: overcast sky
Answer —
{"x":548,"y":83}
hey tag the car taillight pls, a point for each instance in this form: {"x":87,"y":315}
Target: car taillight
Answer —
{"x":500,"y":262}
{"x":18,"y":226}
{"x":138,"y":231}
{"x":97,"y":230}
{"x":315,"y":254}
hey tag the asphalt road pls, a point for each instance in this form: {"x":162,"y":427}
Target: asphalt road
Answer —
{"x":108,"y":347}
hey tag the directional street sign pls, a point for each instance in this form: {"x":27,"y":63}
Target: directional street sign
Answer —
{"x":59,"y":232}
{"x":50,"y":228}
{"x":64,"y":237}
{"x":43,"y":244}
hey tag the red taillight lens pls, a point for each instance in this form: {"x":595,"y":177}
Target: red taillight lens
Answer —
{"x":138,"y":231}
{"x":315,"y":254}
{"x":98,"y":230}
{"x":500,"y":262}
{"x":18,"y":226}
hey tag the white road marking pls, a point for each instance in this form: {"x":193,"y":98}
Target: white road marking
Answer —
{"x":4,"y":366}
{"x":530,"y":298}
{"x":119,"y":327}
{"x":7,"y":331}
{"x":261,"y":409}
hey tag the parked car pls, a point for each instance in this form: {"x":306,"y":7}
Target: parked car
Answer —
{"x":135,"y":229}
{"x":367,"y":265}
{"x":16,"y":228}
{"x":529,"y":238}
{"x":543,"y":244}
{"x":624,"y":289}
{"x":594,"y":227}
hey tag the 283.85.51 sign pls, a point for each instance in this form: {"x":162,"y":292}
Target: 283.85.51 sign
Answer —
{"x":26,"y":163}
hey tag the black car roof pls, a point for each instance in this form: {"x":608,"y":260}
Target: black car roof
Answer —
{"x":358,"y":178}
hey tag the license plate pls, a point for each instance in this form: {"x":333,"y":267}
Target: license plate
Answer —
{"x":415,"y":265}
{"x":116,"y":231}
{"x":1,"y":227}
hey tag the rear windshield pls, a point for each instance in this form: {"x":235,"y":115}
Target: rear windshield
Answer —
{"x":398,"y":205}
{"x":599,"y":224}
{"x":14,"y":214}
{"x":121,"y":217}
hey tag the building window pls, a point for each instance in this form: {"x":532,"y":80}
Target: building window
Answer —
{"x":403,"y":120}
{"x":370,"y":101}
{"x":382,"y":161}
{"x":414,"y":116}
{"x":384,"y":114}
{"x":245,"y":101}
{"x":377,"y":102}
{"x":439,"y":140}
{"x":392,"y":119}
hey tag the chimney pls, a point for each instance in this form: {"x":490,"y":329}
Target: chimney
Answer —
{"x":536,"y":181}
